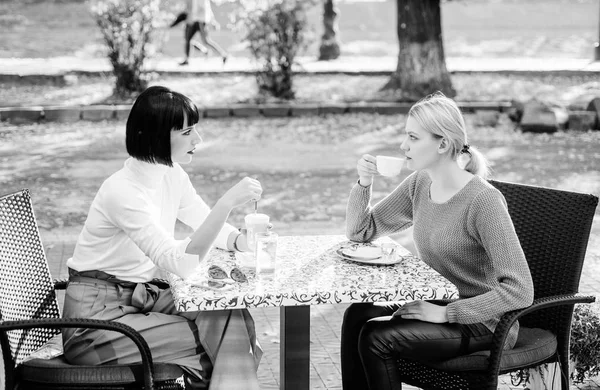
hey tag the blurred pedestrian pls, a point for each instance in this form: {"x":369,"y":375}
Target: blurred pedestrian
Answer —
{"x":199,"y":17}
{"x":182,"y":16}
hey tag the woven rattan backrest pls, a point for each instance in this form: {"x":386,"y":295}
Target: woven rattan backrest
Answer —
{"x":26,"y":289}
{"x":553,"y":227}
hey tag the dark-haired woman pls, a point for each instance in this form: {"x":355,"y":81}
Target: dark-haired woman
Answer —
{"x":128,"y":240}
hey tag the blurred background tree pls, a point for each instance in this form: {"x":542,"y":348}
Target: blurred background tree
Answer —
{"x":421,"y":68}
{"x":275,"y":32}
{"x":127,"y":27}
{"x":330,"y":47}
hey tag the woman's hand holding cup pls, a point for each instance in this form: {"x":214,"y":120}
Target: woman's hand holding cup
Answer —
{"x":246,"y":190}
{"x":367,"y":168}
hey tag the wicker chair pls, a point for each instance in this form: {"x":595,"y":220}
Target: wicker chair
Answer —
{"x":553,"y":227}
{"x":30,"y":317}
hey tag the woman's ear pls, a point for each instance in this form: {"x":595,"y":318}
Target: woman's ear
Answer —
{"x":444,"y":146}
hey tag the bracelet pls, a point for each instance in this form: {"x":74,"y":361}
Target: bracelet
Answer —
{"x":235,"y":247}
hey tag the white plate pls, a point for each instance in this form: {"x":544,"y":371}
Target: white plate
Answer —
{"x":372,"y":261}
{"x":362,"y":252}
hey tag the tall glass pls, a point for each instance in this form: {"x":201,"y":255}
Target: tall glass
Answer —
{"x":255,"y":223}
{"x":266,"y":254}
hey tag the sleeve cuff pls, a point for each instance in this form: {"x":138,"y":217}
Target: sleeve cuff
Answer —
{"x":224,"y":239}
{"x":358,"y":182}
{"x":451,"y":312}
{"x":231,"y":241}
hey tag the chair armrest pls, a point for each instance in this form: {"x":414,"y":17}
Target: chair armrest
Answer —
{"x":58,"y":323}
{"x":509,"y":318}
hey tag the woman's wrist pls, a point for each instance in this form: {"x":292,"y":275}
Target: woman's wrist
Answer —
{"x":223,"y":204}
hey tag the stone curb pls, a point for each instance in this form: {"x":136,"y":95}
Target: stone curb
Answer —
{"x":60,"y":78}
{"x":66,"y":114}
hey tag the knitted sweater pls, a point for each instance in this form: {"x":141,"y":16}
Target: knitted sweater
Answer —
{"x":469,"y":239}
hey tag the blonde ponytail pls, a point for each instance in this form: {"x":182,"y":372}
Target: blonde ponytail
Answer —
{"x":477,"y":164}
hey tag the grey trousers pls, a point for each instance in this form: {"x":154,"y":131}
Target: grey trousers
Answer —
{"x":220,"y":345}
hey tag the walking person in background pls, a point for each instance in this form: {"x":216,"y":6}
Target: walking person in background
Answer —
{"x":181,"y":17}
{"x":199,"y":17}
{"x":462,"y":229}
{"x":128,"y":240}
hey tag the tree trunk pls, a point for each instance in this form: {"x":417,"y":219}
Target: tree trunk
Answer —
{"x":421,"y":66}
{"x":330,"y":48}
{"x":128,"y":81}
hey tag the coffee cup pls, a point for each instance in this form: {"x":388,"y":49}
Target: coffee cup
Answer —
{"x":388,"y":165}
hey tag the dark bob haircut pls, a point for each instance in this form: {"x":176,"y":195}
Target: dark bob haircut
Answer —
{"x":156,"y":112}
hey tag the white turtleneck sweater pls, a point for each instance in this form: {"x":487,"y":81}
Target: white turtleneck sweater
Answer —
{"x":130,"y":228}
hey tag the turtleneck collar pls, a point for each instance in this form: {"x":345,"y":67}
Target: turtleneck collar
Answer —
{"x":150,"y":175}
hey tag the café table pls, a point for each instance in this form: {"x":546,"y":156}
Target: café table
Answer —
{"x":309,"y":272}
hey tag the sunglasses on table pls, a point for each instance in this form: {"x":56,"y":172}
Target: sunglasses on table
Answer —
{"x":218,"y":276}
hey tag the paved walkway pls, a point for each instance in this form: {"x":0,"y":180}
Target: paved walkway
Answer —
{"x":344,"y":64}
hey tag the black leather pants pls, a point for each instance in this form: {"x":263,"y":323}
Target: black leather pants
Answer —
{"x":372,"y":342}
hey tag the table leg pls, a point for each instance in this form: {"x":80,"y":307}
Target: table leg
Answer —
{"x":294,"y":348}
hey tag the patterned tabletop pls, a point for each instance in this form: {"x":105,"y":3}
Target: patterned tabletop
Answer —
{"x":309,"y":272}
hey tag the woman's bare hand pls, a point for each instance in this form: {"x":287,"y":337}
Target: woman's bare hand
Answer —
{"x":423,"y":311}
{"x":244,"y":191}
{"x":367,"y":168}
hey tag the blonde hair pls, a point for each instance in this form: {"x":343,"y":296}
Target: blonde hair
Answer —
{"x":440,"y":116}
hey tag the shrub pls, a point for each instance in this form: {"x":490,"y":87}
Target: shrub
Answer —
{"x":585,"y":341}
{"x":126,"y":27}
{"x":275,"y":31}
{"x":584,"y":353}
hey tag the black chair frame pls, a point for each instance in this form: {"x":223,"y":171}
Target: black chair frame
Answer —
{"x":32,"y":312}
{"x":541,"y":216}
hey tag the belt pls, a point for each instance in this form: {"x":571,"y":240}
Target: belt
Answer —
{"x":144,"y":294}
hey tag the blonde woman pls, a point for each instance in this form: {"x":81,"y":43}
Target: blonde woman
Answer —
{"x":462,"y":229}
